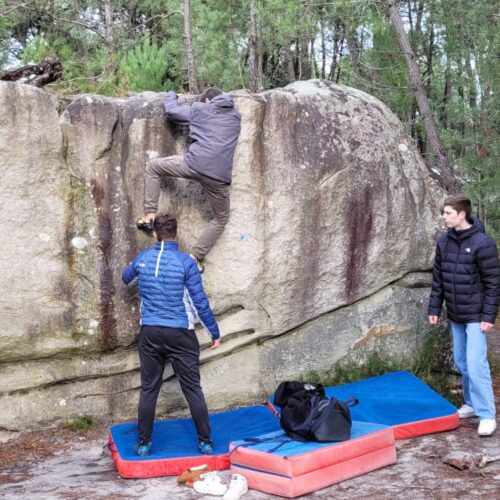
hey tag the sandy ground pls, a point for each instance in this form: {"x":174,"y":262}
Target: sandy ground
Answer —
{"x":64,"y":464}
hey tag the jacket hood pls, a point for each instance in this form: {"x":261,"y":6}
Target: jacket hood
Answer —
{"x":223,"y":101}
{"x":477,"y":226}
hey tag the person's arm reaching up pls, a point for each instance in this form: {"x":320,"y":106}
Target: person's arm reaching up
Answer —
{"x":176,"y":113}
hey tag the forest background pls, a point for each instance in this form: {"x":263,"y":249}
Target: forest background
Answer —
{"x":115,"y":47}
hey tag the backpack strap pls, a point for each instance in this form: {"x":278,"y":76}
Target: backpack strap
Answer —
{"x":281,"y":440}
{"x":351,"y":401}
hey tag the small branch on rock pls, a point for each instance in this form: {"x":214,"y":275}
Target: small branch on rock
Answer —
{"x":487,"y":460}
{"x":461,"y":460}
{"x":49,"y":70}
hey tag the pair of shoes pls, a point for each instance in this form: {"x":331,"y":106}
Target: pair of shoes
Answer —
{"x":144,"y":225}
{"x":237,"y":488}
{"x":466,"y":411}
{"x":206,"y":447}
{"x":143,"y":449}
{"x":210,"y":484}
{"x":199,"y":264}
{"x":193,"y":474}
{"x":486,"y":427}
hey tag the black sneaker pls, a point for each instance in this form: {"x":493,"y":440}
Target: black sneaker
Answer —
{"x":145,"y":226}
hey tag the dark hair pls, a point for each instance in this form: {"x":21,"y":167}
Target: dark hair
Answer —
{"x":210,"y":93}
{"x":165,"y":226}
{"x":460,"y":203}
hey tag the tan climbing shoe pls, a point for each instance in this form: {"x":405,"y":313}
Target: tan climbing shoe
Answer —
{"x":191,"y":475}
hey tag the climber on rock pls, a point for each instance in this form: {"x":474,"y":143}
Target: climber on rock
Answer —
{"x":214,"y":128}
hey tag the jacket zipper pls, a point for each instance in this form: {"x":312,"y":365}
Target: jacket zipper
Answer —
{"x":158,"y":260}
{"x":455,"y":277}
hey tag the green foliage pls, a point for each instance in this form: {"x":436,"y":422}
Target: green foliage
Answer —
{"x":352,"y":370}
{"x":391,"y":81}
{"x":144,"y":67}
{"x":83,"y":423}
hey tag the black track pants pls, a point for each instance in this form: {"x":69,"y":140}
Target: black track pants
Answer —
{"x":157,"y":345}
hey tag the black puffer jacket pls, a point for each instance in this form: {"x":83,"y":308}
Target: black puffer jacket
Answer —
{"x":466,"y":275}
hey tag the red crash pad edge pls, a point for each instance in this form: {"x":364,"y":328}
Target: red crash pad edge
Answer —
{"x":292,"y":487}
{"x":143,"y":468}
{"x":424,"y":427}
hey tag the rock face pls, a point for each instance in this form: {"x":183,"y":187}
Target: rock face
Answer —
{"x":326,"y":254}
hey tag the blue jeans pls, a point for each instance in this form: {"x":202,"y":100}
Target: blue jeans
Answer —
{"x":470,"y":353}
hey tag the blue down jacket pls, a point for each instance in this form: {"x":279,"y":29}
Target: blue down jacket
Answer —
{"x":466,"y":275}
{"x":170,"y":288}
{"x":214,"y":128}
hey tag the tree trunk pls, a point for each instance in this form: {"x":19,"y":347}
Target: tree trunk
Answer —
{"x":188,"y":46}
{"x":289,"y":64}
{"x":108,"y":36}
{"x":255,"y":61}
{"x":354,"y":51}
{"x":323,"y":48}
{"x":446,"y":101}
{"x":420,"y":13}
{"x":304,"y":62}
{"x":337,"y":43}
{"x":339,"y":66}
{"x":430,"y":55}
{"x":449,"y":180}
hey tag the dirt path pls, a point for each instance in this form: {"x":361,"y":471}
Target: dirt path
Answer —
{"x":63,"y":464}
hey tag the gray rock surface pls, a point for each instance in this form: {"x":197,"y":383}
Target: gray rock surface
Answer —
{"x":327,"y":252}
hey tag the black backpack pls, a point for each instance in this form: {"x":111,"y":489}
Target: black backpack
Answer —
{"x":308,"y":415}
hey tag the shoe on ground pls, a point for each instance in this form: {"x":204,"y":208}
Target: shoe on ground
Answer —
{"x":192,"y":474}
{"x":199,"y":264}
{"x":210,"y":484}
{"x":143,"y":449}
{"x":206,"y":447}
{"x":237,"y":488}
{"x":486,"y":427}
{"x":466,"y":411}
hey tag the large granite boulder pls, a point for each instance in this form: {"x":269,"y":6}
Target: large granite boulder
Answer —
{"x":326,"y":254}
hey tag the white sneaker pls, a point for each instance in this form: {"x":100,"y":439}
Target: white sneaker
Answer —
{"x":210,"y":484}
{"x":486,"y":427}
{"x":237,"y":488}
{"x":466,"y":411}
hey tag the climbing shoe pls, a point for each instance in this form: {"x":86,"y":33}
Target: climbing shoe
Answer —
{"x":143,"y":449}
{"x":189,"y":476}
{"x":199,"y":264}
{"x":206,"y":447}
{"x":145,"y":226}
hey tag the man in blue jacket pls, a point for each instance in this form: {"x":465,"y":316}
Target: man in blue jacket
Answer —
{"x":214,"y":128}
{"x":466,"y":276}
{"x":172,"y":297}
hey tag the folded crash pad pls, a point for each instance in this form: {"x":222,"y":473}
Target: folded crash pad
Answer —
{"x":275,"y":464}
